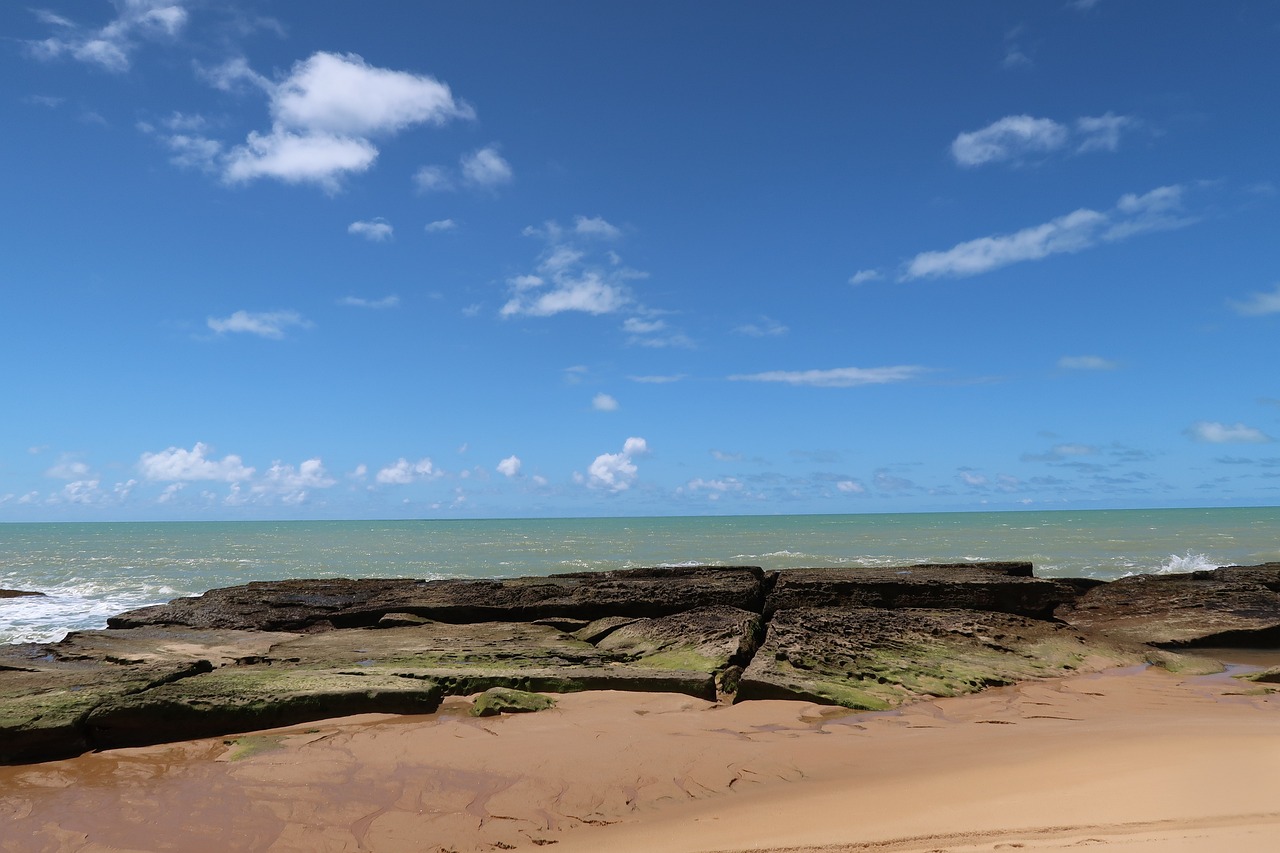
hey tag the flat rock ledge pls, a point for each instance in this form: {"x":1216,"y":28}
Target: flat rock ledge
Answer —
{"x":279,"y":653}
{"x":18,"y":593}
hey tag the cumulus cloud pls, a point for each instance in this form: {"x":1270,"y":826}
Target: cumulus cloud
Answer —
{"x":595,"y":226}
{"x":851,"y":487}
{"x":1018,"y":138}
{"x":567,"y":278}
{"x":180,"y":464}
{"x":293,"y":484}
{"x":509,"y":467}
{"x":377,"y":230}
{"x":1212,"y":432}
{"x":604,"y":403}
{"x":839,"y":377}
{"x":402,"y":471}
{"x":110,"y":47}
{"x":325,"y":115}
{"x":343,"y":95}
{"x":1258,"y":304}
{"x":266,"y":324}
{"x":1158,"y":210}
{"x":440,"y":225}
{"x":68,"y":468}
{"x":616,"y":472}
{"x":486,"y":168}
{"x":864,"y":276}
{"x":1086,"y":362}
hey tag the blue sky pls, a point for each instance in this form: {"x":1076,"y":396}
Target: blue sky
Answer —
{"x":330,"y":260}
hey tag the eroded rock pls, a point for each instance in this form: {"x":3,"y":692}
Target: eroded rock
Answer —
{"x":45,"y":702}
{"x":999,"y":587}
{"x":245,"y":698}
{"x":874,"y":659}
{"x":1225,"y":607}
{"x":317,"y":605}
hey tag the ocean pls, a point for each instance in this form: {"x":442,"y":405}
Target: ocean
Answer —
{"x":94,"y":570}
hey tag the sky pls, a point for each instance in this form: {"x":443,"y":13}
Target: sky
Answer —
{"x":275,"y":260}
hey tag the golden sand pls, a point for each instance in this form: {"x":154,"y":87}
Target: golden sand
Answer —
{"x":1127,"y":760}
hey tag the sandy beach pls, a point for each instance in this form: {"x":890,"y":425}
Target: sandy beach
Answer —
{"x":1134,"y":759}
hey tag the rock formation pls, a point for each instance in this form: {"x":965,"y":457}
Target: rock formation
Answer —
{"x":271,"y":654}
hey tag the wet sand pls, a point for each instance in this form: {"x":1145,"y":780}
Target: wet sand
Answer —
{"x":1132,"y":759}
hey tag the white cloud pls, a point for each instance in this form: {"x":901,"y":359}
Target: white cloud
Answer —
{"x":728,"y":484}
{"x":359,"y":302}
{"x":170,"y":492}
{"x":766,"y":328}
{"x":640,"y":326}
{"x":440,"y":225}
{"x":1019,"y":137}
{"x":1259,"y":304}
{"x":402,"y":471}
{"x":615,"y":472}
{"x":341,"y":94}
{"x":852,"y":487}
{"x":586,"y":291}
{"x":325,"y":114}
{"x":972,"y":478}
{"x":649,"y":332}
{"x":1061,"y":452}
{"x":840,"y":377}
{"x":1213,"y":432}
{"x":194,"y":152}
{"x":292,"y":484}
{"x":377,"y":230}
{"x":1157,"y":210}
{"x":229,"y":76}
{"x":864,"y":276}
{"x":604,"y":403}
{"x":297,"y":158}
{"x":569,"y":278}
{"x":267,"y":324}
{"x":1101,"y":133}
{"x":657,"y":380}
{"x":1086,"y":362}
{"x":595,"y":226}
{"x":110,"y":47}
{"x":486,"y":168}
{"x":432,"y":179}
{"x":509,"y":467}
{"x":179,"y":464}
{"x":68,"y":468}
{"x":1010,"y":138}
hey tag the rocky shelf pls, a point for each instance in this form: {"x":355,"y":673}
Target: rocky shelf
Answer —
{"x":278,"y":653}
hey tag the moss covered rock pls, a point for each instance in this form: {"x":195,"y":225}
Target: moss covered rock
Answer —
{"x":503,"y":700}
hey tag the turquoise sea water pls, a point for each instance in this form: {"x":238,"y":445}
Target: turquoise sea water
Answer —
{"x":92,"y":571}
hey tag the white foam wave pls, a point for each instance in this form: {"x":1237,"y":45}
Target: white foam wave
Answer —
{"x":1176,"y":565}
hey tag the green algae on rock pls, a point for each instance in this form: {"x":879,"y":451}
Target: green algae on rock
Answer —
{"x":503,"y":700}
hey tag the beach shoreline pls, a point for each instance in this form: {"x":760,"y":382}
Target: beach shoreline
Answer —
{"x":1137,"y":758}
